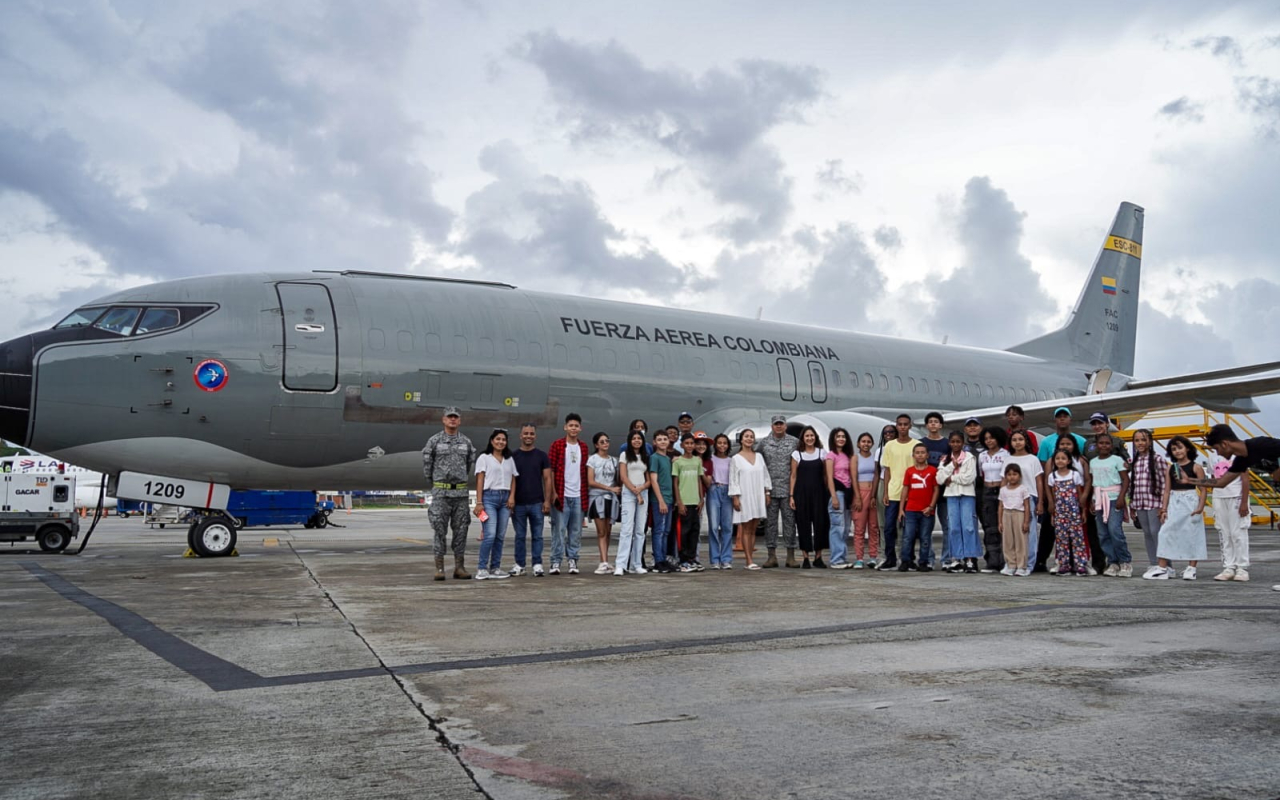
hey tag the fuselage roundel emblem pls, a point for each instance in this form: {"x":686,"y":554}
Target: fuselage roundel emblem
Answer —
{"x":211,"y":375}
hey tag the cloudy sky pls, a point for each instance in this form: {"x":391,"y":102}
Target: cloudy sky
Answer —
{"x":916,"y":170}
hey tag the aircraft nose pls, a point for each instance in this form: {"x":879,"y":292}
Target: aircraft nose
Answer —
{"x":16,"y":361}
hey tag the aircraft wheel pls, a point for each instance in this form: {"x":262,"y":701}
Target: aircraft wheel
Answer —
{"x":53,"y":538}
{"x":161,"y":526}
{"x":213,"y":536}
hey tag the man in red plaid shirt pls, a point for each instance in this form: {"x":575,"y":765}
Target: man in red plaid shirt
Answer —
{"x":568,"y":458}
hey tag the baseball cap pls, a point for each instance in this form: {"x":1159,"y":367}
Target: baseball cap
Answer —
{"x":779,"y":418}
{"x":684,"y":414}
{"x":1062,"y":410}
{"x":1098,"y":416}
{"x":971,"y":420}
{"x":700,"y":435}
{"x":451,"y":411}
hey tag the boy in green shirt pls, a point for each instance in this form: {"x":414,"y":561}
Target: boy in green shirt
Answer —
{"x":687,"y":471}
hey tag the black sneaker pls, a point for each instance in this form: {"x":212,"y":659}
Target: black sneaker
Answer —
{"x":806,"y":564}
{"x":926,"y":568}
{"x":904,"y":566}
{"x":888,"y":565}
{"x":818,"y":563}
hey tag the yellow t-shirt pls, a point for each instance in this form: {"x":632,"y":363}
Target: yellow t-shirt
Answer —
{"x":897,"y":457}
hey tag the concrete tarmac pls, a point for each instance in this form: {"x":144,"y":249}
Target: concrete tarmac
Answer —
{"x":328,"y":664}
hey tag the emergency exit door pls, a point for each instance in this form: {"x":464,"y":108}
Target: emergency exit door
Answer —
{"x":310,"y":337}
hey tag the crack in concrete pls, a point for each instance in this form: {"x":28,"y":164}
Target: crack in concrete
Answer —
{"x":442,"y":738}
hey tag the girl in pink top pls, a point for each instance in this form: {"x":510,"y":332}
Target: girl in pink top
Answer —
{"x":841,"y":486}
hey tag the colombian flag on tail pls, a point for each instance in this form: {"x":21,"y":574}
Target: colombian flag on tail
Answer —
{"x":1108,"y":285}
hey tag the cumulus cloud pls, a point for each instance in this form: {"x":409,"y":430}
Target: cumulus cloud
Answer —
{"x":832,"y":178}
{"x":888,"y":237}
{"x":1261,"y":95}
{"x":842,"y":281}
{"x":716,"y":121}
{"x":305,"y":156}
{"x":1224,"y":47}
{"x":994,"y":295}
{"x":550,"y":230}
{"x":1183,"y":110}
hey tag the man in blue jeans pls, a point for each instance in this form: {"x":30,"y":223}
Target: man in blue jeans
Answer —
{"x":895,"y":458}
{"x":533,"y":498}
{"x":663,"y":502}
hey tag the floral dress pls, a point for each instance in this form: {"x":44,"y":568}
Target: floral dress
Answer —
{"x":1068,"y":524}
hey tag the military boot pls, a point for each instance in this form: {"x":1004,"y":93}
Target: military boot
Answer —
{"x":460,"y":568}
{"x":772,"y":560}
{"x":439,"y":568}
{"x":791,"y":557}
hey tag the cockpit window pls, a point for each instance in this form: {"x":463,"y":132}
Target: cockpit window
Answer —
{"x":79,"y":318}
{"x":157,"y":319}
{"x":118,"y":320}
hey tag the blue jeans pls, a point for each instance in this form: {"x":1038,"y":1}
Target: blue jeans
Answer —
{"x":962,"y":527}
{"x":943,"y":521}
{"x":566,"y":523}
{"x":841,"y":519}
{"x":493,"y":530}
{"x":1033,"y":539}
{"x":1111,"y":536}
{"x":891,"y":531}
{"x":528,"y":517}
{"x":917,"y":526}
{"x":630,"y":555}
{"x":661,"y":528}
{"x":720,"y":523}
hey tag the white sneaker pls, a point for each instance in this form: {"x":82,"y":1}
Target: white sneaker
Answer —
{"x":1189,"y":573}
{"x":604,"y":568}
{"x":1227,"y":574}
{"x":1008,"y":570}
{"x":1022,"y":573}
{"x":1242,"y":575}
{"x":1157,"y":574}
{"x":640,"y":571}
{"x":537,"y":570}
{"x":482,"y":575}
{"x":517,"y":571}
{"x":1089,"y":569}
{"x":498,"y":575}
{"x":617,"y":571}
{"x":1276,"y":588}
{"x":1112,"y":570}
{"x":555,"y":568}
{"x":726,"y":566}
{"x":573,"y":566}
{"x":1126,"y":571}
{"x":1053,"y":569}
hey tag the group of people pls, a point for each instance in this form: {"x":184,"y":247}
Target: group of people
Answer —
{"x":1004,"y":498}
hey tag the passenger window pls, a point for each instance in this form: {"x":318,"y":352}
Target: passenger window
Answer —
{"x":897,"y":381}
{"x":559,"y":355}
{"x":871,"y":382}
{"x":951,"y":388}
{"x":735,"y":369}
{"x":404,"y":340}
{"x":835,"y":377}
{"x":486,"y":347}
{"x":535,"y":352}
{"x":913,"y":385}
{"x":377,"y":339}
{"x":753,"y":371}
{"x":698,"y":367}
{"x":633,"y":361}
{"x":1000,"y":392}
{"x":433,"y":343}
{"x":584,"y":357}
{"x":990,"y":392}
{"x":884,"y":382}
{"x":512,"y":349}
{"x":658,"y":363}
{"x":158,"y":319}
{"x":118,"y":320}
{"x":460,"y":345}
{"x":965,"y":388}
{"x":937,"y":384}
{"x":610,"y":359}
{"x":853,"y":379}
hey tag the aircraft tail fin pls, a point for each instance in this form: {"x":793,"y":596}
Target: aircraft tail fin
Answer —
{"x":1102,"y":329}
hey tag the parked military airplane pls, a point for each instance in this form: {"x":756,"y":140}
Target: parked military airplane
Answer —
{"x":186,"y":388}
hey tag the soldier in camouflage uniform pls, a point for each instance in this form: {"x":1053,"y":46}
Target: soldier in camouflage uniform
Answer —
{"x":776,"y":449}
{"x":447,"y":462}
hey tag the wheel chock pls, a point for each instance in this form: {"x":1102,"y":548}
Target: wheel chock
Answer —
{"x":234,"y":552}
{"x":190,"y":554}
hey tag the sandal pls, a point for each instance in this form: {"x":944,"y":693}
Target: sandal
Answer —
{"x":753,"y":566}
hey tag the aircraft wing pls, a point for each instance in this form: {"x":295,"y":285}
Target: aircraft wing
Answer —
{"x":1226,"y":391}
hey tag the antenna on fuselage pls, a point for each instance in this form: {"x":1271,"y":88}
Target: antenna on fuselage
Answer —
{"x":945,"y":336}
{"x":759,"y":312}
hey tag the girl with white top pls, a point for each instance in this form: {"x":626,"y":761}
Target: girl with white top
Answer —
{"x":603,"y":491}
{"x":719,"y":506}
{"x":866,"y":520}
{"x":809,"y":497}
{"x":634,"y":474}
{"x":991,"y":463}
{"x":495,"y":497}
{"x":1020,"y":453}
{"x":1182,"y":534}
{"x":1015,"y":521}
{"x":749,"y":487}
{"x":956,"y":475}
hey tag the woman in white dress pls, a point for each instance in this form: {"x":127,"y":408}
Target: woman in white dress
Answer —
{"x":1181,"y":537}
{"x":749,"y":486}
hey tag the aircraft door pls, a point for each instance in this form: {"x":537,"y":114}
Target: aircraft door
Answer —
{"x":786,"y":379}
{"x":310,"y":337}
{"x":817,"y":382}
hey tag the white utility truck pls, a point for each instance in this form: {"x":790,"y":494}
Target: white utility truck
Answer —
{"x":39,"y":507}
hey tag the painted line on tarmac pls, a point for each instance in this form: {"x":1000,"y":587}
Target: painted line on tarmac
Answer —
{"x":223,"y":676}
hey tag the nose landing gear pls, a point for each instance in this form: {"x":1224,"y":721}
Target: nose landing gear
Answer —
{"x":212,"y":536}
